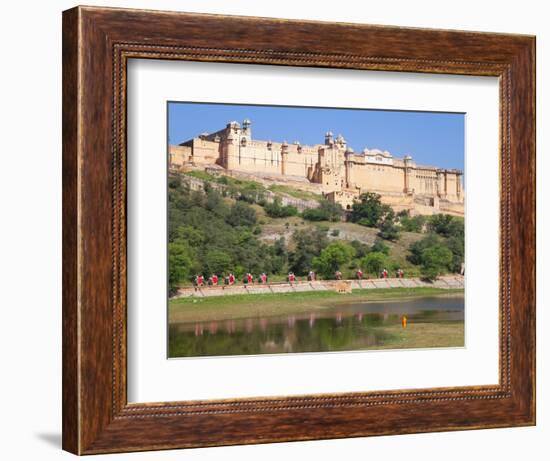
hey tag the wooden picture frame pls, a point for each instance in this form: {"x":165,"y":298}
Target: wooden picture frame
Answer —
{"x":97,"y":43}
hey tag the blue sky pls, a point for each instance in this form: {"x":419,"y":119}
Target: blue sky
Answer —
{"x":432,"y":138}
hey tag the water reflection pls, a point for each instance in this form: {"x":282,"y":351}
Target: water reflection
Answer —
{"x":350,"y":326}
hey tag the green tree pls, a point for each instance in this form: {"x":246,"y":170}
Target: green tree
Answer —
{"x":450,"y":234}
{"x":380,"y":246}
{"x":361,"y":249}
{"x":278,"y":256}
{"x":215,"y":203}
{"x":411,"y":223}
{"x":193,"y":236}
{"x":368,"y":211}
{"x":179,"y":264}
{"x":387,"y":228}
{"x":277,"y":210}
{"x":252,"y":193}
{"x":333,"y":258}
{"x":326,"y":211}
{"x":374,"y":262}
{"x":419,"y":246}
{"x":249,"y":252}
{"x":307,"y":245}
{"x":217,"y":262}
{"x":456,"y":245}
{"x":435,"y":261}
{"x":446,"y":225}
{"x":241,"y":214}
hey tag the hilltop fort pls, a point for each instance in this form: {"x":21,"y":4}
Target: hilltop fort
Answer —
{"x":331,"y":169}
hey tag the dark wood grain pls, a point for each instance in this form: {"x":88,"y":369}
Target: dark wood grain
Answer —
{"x":70,"y":390}
{"x":97,"y":43}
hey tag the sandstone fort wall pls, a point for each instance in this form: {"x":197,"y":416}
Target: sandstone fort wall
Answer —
{"x":341,"y":174}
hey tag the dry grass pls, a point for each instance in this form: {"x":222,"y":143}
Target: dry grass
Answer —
{"x":424,"y":335}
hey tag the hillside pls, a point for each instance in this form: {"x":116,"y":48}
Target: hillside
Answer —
{"x":275,"y":228}
{"x":221,"y":225}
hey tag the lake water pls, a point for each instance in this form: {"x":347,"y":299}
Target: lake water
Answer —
{"x":343,"y":327}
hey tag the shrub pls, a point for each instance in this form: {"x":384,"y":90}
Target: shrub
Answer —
{"x":333,"y":257}
{"x":179,"y":264}
{"x":217,"y":262}
{"x":278,"y":210}
{"x":361,"y":249}
{"x":326,"y":211}
{"x":241,"y":214}
{"x":380,"y":246}
{"x":436,"y":260}
{"x":419,"y":246}
{"x":307,"y":245}
{"x":412,"y":224}
{"x":446,"y":225}
{"x":387,"y":228}
{"x":368,"y":211}
{"x":374,"y":262}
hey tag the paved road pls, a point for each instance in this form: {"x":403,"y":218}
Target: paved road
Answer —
{"x":454,"y":281}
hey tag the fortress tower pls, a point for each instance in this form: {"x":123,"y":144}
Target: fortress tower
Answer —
{"x":331,"y":168}
{"x":247,"y":129}
{"x":350,"y":184}
{"x":230,"y":143}
{"x":407,"y":170}
{"x":284,"y":157}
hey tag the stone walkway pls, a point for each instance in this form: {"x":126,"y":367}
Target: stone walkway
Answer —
{"x":451,"y":281}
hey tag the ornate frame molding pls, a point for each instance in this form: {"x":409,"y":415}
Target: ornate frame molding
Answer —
{"x":98,"y":43}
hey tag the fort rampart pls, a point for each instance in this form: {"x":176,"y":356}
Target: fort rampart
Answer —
{"x":339,"y":173}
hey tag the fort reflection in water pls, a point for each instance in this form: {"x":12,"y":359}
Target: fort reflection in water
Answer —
{"x":345,"y":327}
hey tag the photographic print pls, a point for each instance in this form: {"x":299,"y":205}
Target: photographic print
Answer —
{"x":264,"y":228}
{"x":308,"y":229}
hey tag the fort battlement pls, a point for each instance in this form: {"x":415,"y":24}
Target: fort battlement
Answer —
{"x":337,"y":171}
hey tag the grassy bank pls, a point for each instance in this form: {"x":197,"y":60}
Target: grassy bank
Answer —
{"x":249,"y":305}
{"x":423,"y":335}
